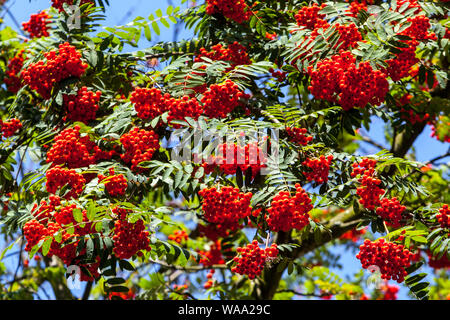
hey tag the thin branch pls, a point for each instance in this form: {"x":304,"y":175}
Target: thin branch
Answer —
{"x":304,"y":294}
{"x":189,"y":269}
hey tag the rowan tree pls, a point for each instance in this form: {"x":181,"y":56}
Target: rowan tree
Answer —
{"x":293,"y":85}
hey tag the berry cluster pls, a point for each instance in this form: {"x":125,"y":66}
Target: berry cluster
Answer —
{"x":287,"y":213}
{"x":279,"y":75}
{"x":179,"y":109}
{"x":116,"y":185}
{"x":221,"y":99}
{"x":58,"y":177}
{"x":213,"y":231}
{"x":318,"y":169}
{"x":42,"y":76}
{"x":139,"y":145}
{"x":232,"y":156}
{"x":443,"y":217}
{"x":410,"y":115}
{"x":10,"y":128}
{"x":418,"y":29}
{"x":389,"y":292}
{"x":356,"y":7}
{"x":349,"y":35}
{"x":48,"y":223}
{"x":353,"y":235}
{"x":440,"y":128}
{"x":12,"y":75}
{"x":179,"y":236}
{"x":43,"y":211}
{"x":65,"y":216}
{"x":225,"y":206}
{"x":149,"y":102}
{"x":369,"y":192}
{"x":75,"y":151}
{"x":309,"y":17}
{"x":400,"y":66}
{"x":210,"y":282}
{"x":392,"y":259}
{"x":252,"y":259}
{"x":235,"y":53}
{"x":82,"y":107}
{"x":391,"y":211}
{"x":130,"y":238}
{"x":37,"y":26}
{"x":213,"y":256}
{"x":236,"y":10}
{"x":339,"y":80}
{"x":299,"y":136}
{"x":438,"y":263}
{"x":130,"y":295}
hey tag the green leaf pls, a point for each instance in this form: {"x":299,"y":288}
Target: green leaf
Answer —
{"x":77,"y":215}
{"x":46,"y":246}
{"x":156,"y":28}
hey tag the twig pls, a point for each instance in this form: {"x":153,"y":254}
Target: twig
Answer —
{"x":304,"y":294}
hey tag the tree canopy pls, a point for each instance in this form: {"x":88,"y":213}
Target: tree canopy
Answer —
{"x":229,"y":165}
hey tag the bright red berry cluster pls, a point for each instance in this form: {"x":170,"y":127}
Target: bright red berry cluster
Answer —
{"x":130,"y":295}
{"x":149,"y":102}
{"x":130,"y":239}
{"x":82,"y":107}
{"x":356,"y":7}
{"x":339,"y":80}
{"x":75,"y":151}
{"x":13,"y":79}
{"x":37,"y":26}
{"x":369,"y":192}
{"x":236,"y":10}
{"x":349,"y":35}
{"x":140,"y":145}
{"x":391,"y":211}
{"x":438,"y":263}
{"x":58,"y":177}
{"x":210,"y":282}
{"x":213,"y":231}
{"x":221,"y":99}
{"x":419,"y":27}
{"x":318,"y":169}
{"x":225,"y":206}
{"x":235,"y":53}
{"x":299,"y":136}
{"x":116,"y":185}
{"x":10,"y":128}
{"x":399,"y":67}
{"x":389,"y":292}
{"x":252,"y":259}
{"x":180,"y":109}
{"x":392,"y":259}
{"x":289,"y":212}
{"x":62,"y":64}
{"x":179,"y":236}
{"x":50,"y":220}
{"x":309,"y":17}
{"x":232,"y":156}
{"x":443,"y":217}
{"x":353,"y":235}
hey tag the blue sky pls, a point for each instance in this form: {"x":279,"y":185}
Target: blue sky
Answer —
{"x":120,"y":12}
